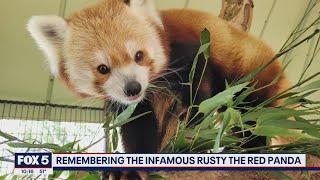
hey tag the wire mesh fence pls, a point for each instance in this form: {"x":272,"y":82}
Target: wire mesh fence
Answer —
{"x":52,"y":112}
{"x":48,"y":123}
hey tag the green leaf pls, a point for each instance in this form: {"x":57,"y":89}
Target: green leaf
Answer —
{"x":124,"y":121}
{"x":272,"y":131}
{"x":208,"y":121}
{"x":223,"y":126}
{"x":91,"y":177}
{"x":235,"y":116}
{"x":70,"y":145}
{"x":208,"y":134}
{"x":55,"y":174}
{"x":312,"y":86}
{"x":5,"y":159}
{"x":181,"y":140}
{"x":220,"y":99}
{"x":201,"y":50}
{"x":8,"y":136}
{"x":115,"y":139}
{"x":298,"y":99}
{"x":155,"y":176}
{"x":274,"y":113}
{"x":125,"y":115}
{"x":281,"y":175}
{"x":205,"y":36}
{"x":240,"y":99}
{"x":205,"y":39}
{"x":72,"y":176}
{"x":3,"y":177}
{"x":287,"y":124}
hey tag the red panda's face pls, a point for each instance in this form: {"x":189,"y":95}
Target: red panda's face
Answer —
{"x":111,"y":50}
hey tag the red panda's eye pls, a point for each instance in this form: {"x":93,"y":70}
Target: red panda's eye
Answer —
{"x":103,"y":69}
{"x":139,"y":56}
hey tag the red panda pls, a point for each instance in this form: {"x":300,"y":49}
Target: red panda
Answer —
{"x":115,"y":49}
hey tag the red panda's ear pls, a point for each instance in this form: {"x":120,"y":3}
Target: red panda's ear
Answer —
{"x":49,"y":32}
{"x":147,"y":8}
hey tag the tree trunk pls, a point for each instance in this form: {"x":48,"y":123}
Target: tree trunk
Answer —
{"x":238,"y":13}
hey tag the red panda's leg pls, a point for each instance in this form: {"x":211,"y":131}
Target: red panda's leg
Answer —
{"x":138,"y":136}
{"x":141,"y":135}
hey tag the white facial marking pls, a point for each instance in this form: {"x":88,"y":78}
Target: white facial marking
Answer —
{"x":155,"y":50}
{"x":118,"y":79}
{"x":132,"y":48}
{"x":81,"y":77}
{"x":145,"y":10}
{"x":103,"y":58}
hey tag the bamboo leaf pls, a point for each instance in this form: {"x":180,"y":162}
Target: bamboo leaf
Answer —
{"x":205,"y":36}
{"x":240,"y":99}
{"x":115,"y":139}
{"x":8,"y":136}
{"x":201,"y":50}
{"x":181,"y":140}
{"x":208,"y":121}
{"x":288,"y":124}
{"x":6,"y":159}
{"x":226,"y":120}
{"x":272,"y":131}
{"x":155,"y":176}
{"x":208,"y":134}
{"x":221,"y":98}
{"x":91,"y":177}
{"x":72,"y":175}
{"x":125,"y":115}
{"x":282,"y":175}
{"x":4,"y":176}
{"x":123,"y":121}
{"x":312,"y":86}
{"x":205,"y":39}
{"x":55,"y":174}
{"x":70,"y":145}
{"x":274,"y":113}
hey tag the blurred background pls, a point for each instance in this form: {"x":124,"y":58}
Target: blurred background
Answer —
{"x":24,"y":74}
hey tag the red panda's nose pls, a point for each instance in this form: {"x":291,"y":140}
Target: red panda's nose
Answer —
{"x":132,"y":88}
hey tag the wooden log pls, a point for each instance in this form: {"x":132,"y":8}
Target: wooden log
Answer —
{"x":238,"y":13}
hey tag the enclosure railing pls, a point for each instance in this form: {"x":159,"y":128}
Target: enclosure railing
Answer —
{"x":23,"y":110}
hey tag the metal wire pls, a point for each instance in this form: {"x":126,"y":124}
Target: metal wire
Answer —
{"x":33,"y":123}
{"x":39,"y":111}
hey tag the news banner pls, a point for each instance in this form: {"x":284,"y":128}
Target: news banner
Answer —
{"x":46,"y":163}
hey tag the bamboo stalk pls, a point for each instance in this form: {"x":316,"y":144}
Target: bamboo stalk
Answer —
{"x":266,"y":22}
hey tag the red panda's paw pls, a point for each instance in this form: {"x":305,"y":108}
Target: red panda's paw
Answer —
{"x":125,"y":175}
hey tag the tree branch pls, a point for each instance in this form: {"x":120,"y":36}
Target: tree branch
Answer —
{"x":238,"y":13}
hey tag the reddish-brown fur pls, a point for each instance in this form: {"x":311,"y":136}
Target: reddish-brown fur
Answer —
{"x":108,"y":24}
{"x":106,"y":31}
{"x":235,"y":52}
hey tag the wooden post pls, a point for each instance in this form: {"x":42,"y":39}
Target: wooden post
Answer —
{"x":238,"y":13}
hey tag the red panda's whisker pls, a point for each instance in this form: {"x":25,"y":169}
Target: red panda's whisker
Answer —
{"x":157,"y":91}
{"x":168,"y":72}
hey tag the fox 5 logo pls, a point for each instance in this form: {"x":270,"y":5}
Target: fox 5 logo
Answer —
{"x":33,"y":160}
